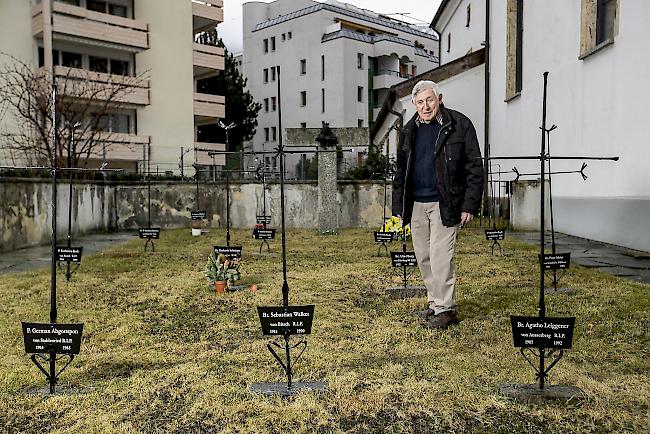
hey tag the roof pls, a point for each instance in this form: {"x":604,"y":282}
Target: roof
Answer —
{"x":448,"y":70}
{"x":371,"y":39}
{"x":386,"y":22}
{"x":439,"y":12}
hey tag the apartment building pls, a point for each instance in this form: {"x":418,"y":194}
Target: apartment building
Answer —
{"x":105,"y":42}
{"x":337,"y":62}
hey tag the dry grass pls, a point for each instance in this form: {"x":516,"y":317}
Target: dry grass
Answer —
{"x":163,"y":353}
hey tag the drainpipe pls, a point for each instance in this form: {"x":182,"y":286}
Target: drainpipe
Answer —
{"x":486,"y":120}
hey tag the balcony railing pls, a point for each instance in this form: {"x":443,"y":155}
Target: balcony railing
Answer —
{"x":82,"y":23}
{"x":206,"y":13}
{"x":202,"y":153}
{"x":120,"y":146}
{"x":392,"y":73}
{"x":207,"y":58}
{"x":119,"y":89}
{"x":207,"y":107}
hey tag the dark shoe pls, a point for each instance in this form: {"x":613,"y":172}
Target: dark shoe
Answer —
{"x":425,"y":314}
{"x":442,"y":320}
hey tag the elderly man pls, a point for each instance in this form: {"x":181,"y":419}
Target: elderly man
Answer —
{"x":437,"y":188}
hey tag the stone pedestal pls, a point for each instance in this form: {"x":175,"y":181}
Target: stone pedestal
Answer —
{"x":328,"y":209}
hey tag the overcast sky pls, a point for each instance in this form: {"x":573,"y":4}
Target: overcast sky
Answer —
{"x":418,"y":10}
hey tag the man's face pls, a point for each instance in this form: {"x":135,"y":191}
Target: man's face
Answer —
{"x":426,"y":103}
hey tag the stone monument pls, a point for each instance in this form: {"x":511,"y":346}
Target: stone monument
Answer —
{"x":327,"y":192}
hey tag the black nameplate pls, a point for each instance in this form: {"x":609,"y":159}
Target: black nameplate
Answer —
{"x":149,"y":233}
{"x":198,"y":215}
{"x":383,"y":237}
{"x":264,"y":219}
{"x":68,"y":254}
{"x":557,"y":261}
{"x":403,"y":259}
{"x":281,"y":320}
{"x":495,"y":234}
{"x":263,"y":234}
{"x":538,"y":332}
{"x":230,"y":251}
{"x":57,"y":338}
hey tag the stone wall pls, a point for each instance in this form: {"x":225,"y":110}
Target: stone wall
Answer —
{"x":25,"y":208}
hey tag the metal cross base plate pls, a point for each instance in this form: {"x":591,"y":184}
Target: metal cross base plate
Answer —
{"x":552,"y":290}
{"x":532,"y":394}
{"x":406,"y":292}
{"x":281,"y":389}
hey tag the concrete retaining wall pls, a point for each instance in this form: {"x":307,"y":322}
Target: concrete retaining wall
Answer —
{"x":25,"y":206}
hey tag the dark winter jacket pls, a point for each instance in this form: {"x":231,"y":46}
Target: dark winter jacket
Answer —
{"x":458,"y":168}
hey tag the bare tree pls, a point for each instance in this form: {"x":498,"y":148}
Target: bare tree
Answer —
{"x":83,"y":97}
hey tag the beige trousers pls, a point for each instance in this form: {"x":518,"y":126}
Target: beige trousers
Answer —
{"x":435,"y":246}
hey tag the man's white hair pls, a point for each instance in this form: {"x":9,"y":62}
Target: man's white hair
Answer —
{"x":423,"y":85}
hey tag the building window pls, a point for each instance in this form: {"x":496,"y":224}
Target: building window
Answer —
{"x":266,"y":75}
{"x":119,"y":67}
{"x":266,"y":45}
{"x":605,"y":20}
{"x":322,"y":100}
{"x":266,"y":134}
{"x":96,"y":6}
{"x":360,"y":60}
{"x":599,"y":24}
{"x":72,"y":60}
{"x":274,"y":134}
{"x":272,"y":43}
{"x":274,"y":103}
{"x":414,"y":71}
{"x":289,"y":35}
{"x":284,"y":36}
{"x":303,"y":66}
{"x":273,"y":73}
{"x":266,"y":104}
{"x":98,"y":64}
{"x":448,"y":42}
{"x":360,"y":93}
{"x":322,"y":68}
{"x":514,"y":48}
{"x":360,"y":123}
{"x":117,"y":10}
{"x":303,"y":125}
{"x":303,"y":98}
{"x":469,"y":15}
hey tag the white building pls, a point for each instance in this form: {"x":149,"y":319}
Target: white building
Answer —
{"x":337,"y":62}
{"x":109,"y":41}
{"x":598,"y":93}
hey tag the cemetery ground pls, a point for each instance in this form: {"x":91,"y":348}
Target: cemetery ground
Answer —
{"x":163,"y":353}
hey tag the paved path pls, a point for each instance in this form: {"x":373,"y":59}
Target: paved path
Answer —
{"x":40,"y":256}
{"x":619,"y":261}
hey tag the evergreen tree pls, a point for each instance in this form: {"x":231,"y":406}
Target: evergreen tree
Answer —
{"x":240,"y":107}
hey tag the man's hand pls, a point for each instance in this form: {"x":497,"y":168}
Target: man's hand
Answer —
{"x":465,"y":218}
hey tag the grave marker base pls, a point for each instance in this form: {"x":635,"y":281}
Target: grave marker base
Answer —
{"x":401,"y":292}
{"x":532,"y":394}
{"x":281,"y":389}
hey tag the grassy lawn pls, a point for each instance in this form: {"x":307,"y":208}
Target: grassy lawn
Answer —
{"x":163,"y":353}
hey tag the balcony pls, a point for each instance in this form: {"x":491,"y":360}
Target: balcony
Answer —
{"x":118,"y":89}
{"x":387,"y":78}
{"x":206,"y":14}
{"x":120,"y":146}
{"x":208,"y":107}
{"x":202,"y":154}
{"x":89,"y":27}
{"x":207,"y":59}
